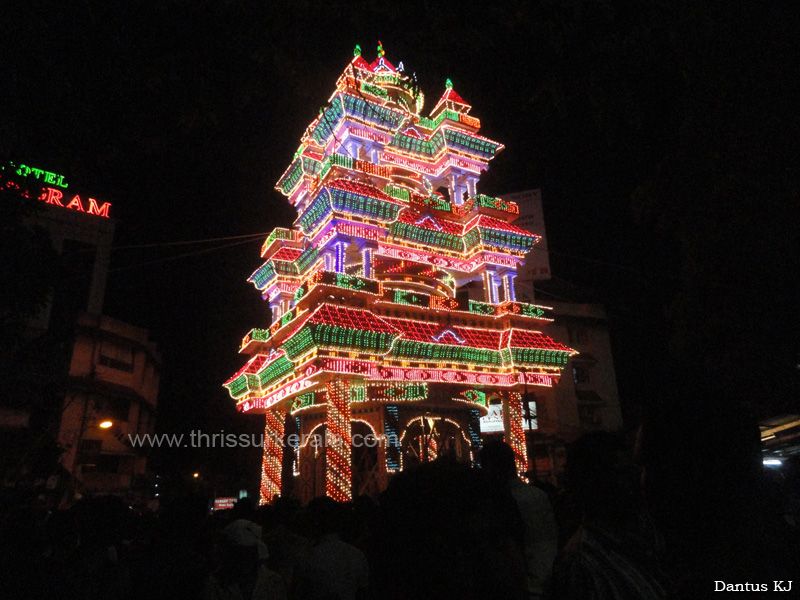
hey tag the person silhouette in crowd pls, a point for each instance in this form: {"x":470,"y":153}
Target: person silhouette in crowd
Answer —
{"x":540,"y":535}
{"x":611,"y":556}
{"x":287,"y":548}
{"x":448,"y":531}
{"x":242,"y":574}
{"x":333,"y":569}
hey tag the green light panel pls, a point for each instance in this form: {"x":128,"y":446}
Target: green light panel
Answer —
{"x":475,"y":396}
{"x":536,"y":356}
{"x":364,"y":206}
{"x":281,"y":367}
{"x":307,"y":258}
{"x":370,"y":113}
{"x":412,"y":298}
{"x":507,"y":239}
{"x":470,"y":144}
{"x":316,"y":212}
{"x":303,"y":401}
{"x":358,"y":393}
{"x":300,"y":343}
{"x":259,"y":335}
{"x":434,"y":123}
{"x":410,"y":391}
{"x":482,"y":308}
{"x":397,"y":192}
{"x":291,"y":178}
{"x":441,"y":353}
{"x":427,"y":237}
{"x":530,"y":310}
{"x":357,"y":340}
{"x":495,"y":203}
{"x":374,"y":90}
{"x":327,"y":123}
{"x":263,"y":276}
{"x":349,"y":282}
{"x":280,"y":233}
{"x":238,"y":387}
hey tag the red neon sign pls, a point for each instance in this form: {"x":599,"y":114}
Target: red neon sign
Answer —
{"x":55,"y":197}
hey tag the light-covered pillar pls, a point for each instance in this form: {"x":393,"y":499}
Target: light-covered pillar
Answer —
{"x":366,"y":260}
{"x":471,"y":191}
{"x":272,"y":458}
{"x":340,"y":248}
{"x":508,"y":287}
{"x":487,"y":287}
{"x":513,"y":426}
{"x":453,"y":187}
{"x":338,"y":479}
{"x":491,"y":285}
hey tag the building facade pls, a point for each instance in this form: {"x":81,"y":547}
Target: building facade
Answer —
{"x":104,"y":372}
{"x":111,"y":396}
{"x":395,"y":322}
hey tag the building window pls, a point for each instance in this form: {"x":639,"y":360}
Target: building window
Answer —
{"x":116,"y":409}
{"x":581,"y":374}
{"x":113,"y":363}
{"x":88,"y":451}
{"x":105,"y":463}
{"x":116,"y":357}
{"x":589,"y":415}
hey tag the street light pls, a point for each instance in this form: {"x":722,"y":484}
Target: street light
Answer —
{"x":106,"y":424}
{"x":196,"y":475}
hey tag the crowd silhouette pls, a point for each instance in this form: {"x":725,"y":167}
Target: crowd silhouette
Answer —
{"x":649,"y":519}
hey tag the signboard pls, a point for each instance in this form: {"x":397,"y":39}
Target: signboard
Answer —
{"x":224,"y":503}
{"x":53,"y":195}
{"x":40,"y":174}
{"x":493,"y":421}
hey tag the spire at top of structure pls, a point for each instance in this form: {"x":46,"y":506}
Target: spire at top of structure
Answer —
{"x":358,"y":60}
{"x":380,"y":63}
{"x":451,"y":100}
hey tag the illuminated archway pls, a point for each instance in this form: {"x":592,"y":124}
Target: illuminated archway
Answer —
{"x":365,"y":459}
{"x":428,"y":437}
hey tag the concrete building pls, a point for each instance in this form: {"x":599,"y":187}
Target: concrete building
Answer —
{"x":103,"y":371}
{"x":111,"y":395}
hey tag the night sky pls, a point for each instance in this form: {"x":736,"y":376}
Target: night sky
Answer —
{"x":663,"y":139}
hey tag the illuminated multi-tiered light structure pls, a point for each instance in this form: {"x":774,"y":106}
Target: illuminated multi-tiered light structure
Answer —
{"x":373,"y":329}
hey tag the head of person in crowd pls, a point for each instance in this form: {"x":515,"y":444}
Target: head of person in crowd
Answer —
{"x":325,"y":517}
{"x":242,"y":549}
{"x":498,"y":461}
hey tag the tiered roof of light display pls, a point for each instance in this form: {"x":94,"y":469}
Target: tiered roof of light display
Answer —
{"x":365,"y":282}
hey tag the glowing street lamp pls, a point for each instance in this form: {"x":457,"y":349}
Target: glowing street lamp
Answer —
{"x":105,"y":424}
{"x":196,"y":475}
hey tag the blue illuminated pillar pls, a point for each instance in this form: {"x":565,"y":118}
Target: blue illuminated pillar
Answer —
{"x":340,"y":248}
{"x":366,"y":259}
